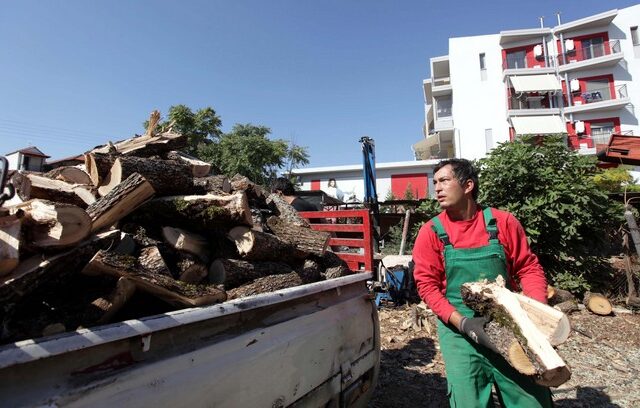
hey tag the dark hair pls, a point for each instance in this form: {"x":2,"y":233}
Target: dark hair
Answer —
{"x":463,"y":170}
{"x":284,"y":185}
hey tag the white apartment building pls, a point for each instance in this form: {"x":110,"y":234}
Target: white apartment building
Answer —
{"x":576,"y":78}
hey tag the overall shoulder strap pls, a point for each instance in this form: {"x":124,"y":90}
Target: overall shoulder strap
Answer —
{"x":491,"y":225}
{"x":440,"y":232}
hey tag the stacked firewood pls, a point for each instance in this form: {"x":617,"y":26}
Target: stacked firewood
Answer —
{"x":141,"y":229}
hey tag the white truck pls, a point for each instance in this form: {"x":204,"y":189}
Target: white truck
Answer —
{"x":315,"y":345}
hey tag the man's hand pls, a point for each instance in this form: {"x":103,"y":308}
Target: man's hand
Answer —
{"x":474,"y":329}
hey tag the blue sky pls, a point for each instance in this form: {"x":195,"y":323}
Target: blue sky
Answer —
{"x":75,"y":74}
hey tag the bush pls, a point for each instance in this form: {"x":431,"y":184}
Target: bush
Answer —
{"x":614,"y":180}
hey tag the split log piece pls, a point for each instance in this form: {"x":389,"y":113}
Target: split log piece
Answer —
{"x":145,"y":145}
{"x":234,"y":272}
{"x":192,"y":271}
{"x":127,"y":245}
{"x":10,"y":227}
{"x":172,"y":291}
{"x":556,"y":295}
{"x":70,"y":174}
{"x":567,"y":307}
{"x":38,"y":269}
{"x":511,"y":324}
{"x":151,"y":260}
{"x":103,"y":309}
{"x":253,"y":190}
{"x":198,"y":167}
{"x":266,"y":284}
{"x":304,"y":239}
{"x":286,"y":211}
{"x":310,"y":271}
{"x":186,"y":241}
{"x":261,"y":246}
{"x":120,"y":201}
{"x":597,"y":303}
{"x":332,"y":266}
{"x":211,"y":184}
{"x":29,"y":186}
{"x":98,"y":165}
{"x":165,"y":176}
{"x":553,"y":323}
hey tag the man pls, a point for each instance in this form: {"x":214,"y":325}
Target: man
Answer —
{"x":467,"y":243}
{"x":284,"y":187}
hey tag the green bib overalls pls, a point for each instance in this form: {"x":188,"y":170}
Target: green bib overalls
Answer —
{"x":472,"y":369}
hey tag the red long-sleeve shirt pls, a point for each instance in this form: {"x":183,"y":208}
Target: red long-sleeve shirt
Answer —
{"x":428,"y":255}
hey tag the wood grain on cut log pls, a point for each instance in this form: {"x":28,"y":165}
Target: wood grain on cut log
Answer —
{"x":211,"y":184}
{"x":285,"y":211}
{"x":163,"y":287}
{"x":597,"y":303}
{"x":98,"y":165}
{"x":266,"y":284}
{"x":187,"y":241}
{"x":151,"y":260}
{"x":47,"y":224}
{"x":556,"y":295}
{"x":553,"y":323}
{"x":234,"y":272}
{"x":201,"y":213}
{"x":260,"y":246}
{"x":29,"y":186}
{"x":165,"y":176}
{"x":70,"y":174}
{"x":511,"y":325}
{"x":198,"y":167}
{"x":10,"y":227}
{"x":145,"y":145}
{"x":304,"y":239}
{"x":102,"y":309}
{"x":38,"y":269}
{"x":120,"y":201}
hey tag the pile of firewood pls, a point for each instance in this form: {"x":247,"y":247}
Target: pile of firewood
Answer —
{"x":142,"y":229}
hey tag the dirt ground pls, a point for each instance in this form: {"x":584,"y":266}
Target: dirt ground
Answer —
{"x":602,"y":352}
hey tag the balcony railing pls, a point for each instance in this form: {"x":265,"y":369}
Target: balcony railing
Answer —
{"x":590,"y":52}
{"x":601,"y":94}
{"x":529,"y":102}
{"x":521,"y":62}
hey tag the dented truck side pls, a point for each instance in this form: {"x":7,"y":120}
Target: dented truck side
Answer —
{"x":315,"y":345}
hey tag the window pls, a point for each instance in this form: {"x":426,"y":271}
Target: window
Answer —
{"x":443,"y":107}
{"x":593,"y":47}
{"x":601,"y":131}
{"x":483,"y":63}
{"x":25,"y":162}
{"x":516,"y":59}
{"x":634,"y":36}
{"x":596,"y":90}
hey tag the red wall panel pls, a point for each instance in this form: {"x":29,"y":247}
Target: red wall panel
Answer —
{"x":418,"y":181}
{"x":315,"y":185}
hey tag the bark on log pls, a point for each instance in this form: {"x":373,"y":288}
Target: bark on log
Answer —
{"x":310,"y":271}
{"x":102,"y":310}
{"x":98,"y":166}
{"x":285,"y":211}
{"x":69,"y":174}
{"x":10,"y":227}
{"x":633,"y":302}
{"x":233,"y":273}
{"x":567,"y":307}
{"x":211,"y":184}
{"x":168,"y":289}
{"x":253,"y":191}
{"x":198,"y":167}
{"x":165,"y":176}
{"x":266,"y":284}
{"x":192,"y":271}
{"x":199,"y":214}
{"x":38,"y":270}
{"x":304,"y":239}
{"x":332,"y":266}
{"x":151,"y":260}
{"x":556,"y":295}
{"x":260,"y":246}
{"x":29,"y":186}
{"x":514,"y":334}
{"x":120,"y":201}
{"x":145,"y":145}
{"x":597,"y":303}
{"x":186,"y":241}
{"x":553,"y":323}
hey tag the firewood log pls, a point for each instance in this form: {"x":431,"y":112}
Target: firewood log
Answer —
{"x":186,"y":241}
{"x":553,"y":323}
{"x":633,"y":302}
{"x":234,"y":272}
{"x":163,"y":287}
{"x":332,"y":266}
{"x":266,"y":284}
{"x":513,"y":333}
{"x":198,"y":167}
{"x":165,"y":176}
{"x":70,"y":174}
{"x":260,"y":246}
{"x":29,"y":186}
{"x":304,"y":239}
{"x":98,"y":165}
{"x":145,"y":145}
{"x":47,"y":224}
{"x":556,"y":295}
{"x":567,"y":307}
{"x":10,"y":227}
{"x":102,"y":309}
{"x":151,"y":260}
{"x":38,"y":269}
{"x":251,"y":189}
{"x":597,"y":303}
{"x":211,"y":184}
{"x":310,"y":271}
{"x":120,"y":201}
{"x":285,"y":211}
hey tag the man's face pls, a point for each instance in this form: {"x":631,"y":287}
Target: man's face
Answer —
{"x":449,"y":192}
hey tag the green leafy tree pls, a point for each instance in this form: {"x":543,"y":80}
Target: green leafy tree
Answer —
{"x":551,"y":190}
{"x":408,"y":193}
{"x":613,"y":180}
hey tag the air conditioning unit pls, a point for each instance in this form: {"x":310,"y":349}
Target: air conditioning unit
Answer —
{"x":537,"y":50}
{"x":574,"y":85}
{"x":579,"y":126}
{"x":569,"y":45}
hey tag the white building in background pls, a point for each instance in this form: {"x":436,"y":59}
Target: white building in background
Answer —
{"x":576,"y":78}
{"x":30,"y":158}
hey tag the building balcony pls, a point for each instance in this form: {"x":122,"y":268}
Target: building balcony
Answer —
{"x":609,"y":53}
{"x":600,"y":100}
{"x":437,"y":145}
{"x":519,"y":65}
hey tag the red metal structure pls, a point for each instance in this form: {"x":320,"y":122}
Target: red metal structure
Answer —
{"x":622,"y":149}
{"x":353,"y":229}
